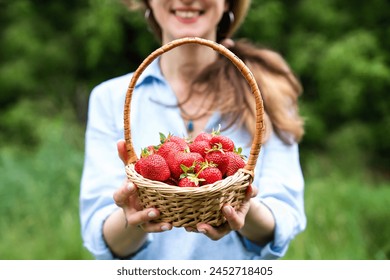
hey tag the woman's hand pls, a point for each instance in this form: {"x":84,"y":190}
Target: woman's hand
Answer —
{"x":235,"y":220}
{"x":126,"y":197}
{"x":125,"y":230}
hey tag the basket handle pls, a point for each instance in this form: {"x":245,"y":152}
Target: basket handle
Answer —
{"x":256,"y":144}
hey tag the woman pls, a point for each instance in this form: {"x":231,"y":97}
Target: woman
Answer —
{"x":185,"y":91}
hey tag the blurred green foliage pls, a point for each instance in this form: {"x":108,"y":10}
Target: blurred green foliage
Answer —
{"x":54,"y":52}
{"x":39,"y":187}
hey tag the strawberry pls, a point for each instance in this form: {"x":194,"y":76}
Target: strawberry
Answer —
{"x":218,"y":156}
{"x":203,"y":136}
{"x":209,"y":174}
{"x":200,"y":147}
{"x":154,"y":167}
{"x":167,"y":147}
{"x":189,"y":180}
{"x":217,"y":139}
{"x":226,"y":143}
{"x":145,"y":152}
{"x":177,"y":161}
{"x":138,"y":164}
{"x":151,"y":149}
{"x":236,"y":161}
{"x":198,"y":166}
{"x":172,"y":138}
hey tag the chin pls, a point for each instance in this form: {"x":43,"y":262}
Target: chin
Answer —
{"x":177,"y":33}
{"x":189,"y":34}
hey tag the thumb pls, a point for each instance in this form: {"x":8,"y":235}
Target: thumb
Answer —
{"x":121,"y":196}
{"x":251,"y":192}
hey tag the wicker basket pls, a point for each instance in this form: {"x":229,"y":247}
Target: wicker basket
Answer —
{"x":186,"y":207}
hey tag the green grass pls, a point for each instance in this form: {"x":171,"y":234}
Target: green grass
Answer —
{"x":348,"y":215}
{"x":347,"y":209}
{"x":39,"y":194}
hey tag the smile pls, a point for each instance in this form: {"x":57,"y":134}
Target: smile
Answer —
{"x":187,"y":14}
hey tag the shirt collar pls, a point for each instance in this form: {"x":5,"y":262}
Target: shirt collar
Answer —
{"x":152,"y":71}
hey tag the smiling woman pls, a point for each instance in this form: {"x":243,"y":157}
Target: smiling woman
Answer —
{"x":179,"y":19}
{"x":195,"y":85}
{"x":228,"y":24}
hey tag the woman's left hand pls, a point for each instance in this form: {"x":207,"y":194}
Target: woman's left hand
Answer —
{"x":235,"y":220}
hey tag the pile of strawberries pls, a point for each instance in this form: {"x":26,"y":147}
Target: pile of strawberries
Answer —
{"x":210,"y":157}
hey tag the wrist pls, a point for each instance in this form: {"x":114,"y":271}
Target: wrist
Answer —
{"x":259,"y":223}
{"x":122,"y":239}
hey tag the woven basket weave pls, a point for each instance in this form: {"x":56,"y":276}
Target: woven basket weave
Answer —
{"x":188,"y":206}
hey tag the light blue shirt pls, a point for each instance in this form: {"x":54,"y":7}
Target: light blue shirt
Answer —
{"x":278,"y":174}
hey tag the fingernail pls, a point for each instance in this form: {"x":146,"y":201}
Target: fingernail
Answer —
{"x":164,"y":228}
{"x":227,"y":210}
{"x":152,"y":214}
{"x":201,"y":230}
{"x":130,"y":186}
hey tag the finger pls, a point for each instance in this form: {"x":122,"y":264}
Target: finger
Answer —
{"x":190,"y":229}
{"x":251,"y":192}
{"x":156,"y":227}
{"x":121,"y":196}
{"x":141,"y":217}
{"x":234,"y":220}
{"x":214,"y":233}
{"x":144,"y":220}
{"x":122,"y":151}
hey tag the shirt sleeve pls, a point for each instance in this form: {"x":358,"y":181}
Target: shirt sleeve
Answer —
{"x":103,"y":171}
{"x":280,"y":182}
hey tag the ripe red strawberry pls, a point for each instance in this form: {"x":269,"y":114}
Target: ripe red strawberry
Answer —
{"x":154,"y":167}
{"x":189,"y":177}
{"x":187,"y":182}
{"x":198,"y":166}
{"x":236,"y":162}
{"x":151,"y":149}
{"x":225,"y":142}
{"x":166,"y":148}
{"x":203,"y":136}
{"x":210,"y":175}
{"x":137,"y":165}
{"x":172,"y":138}
{"x":145,"y":152}
{"x":182,"y":142}
{"x":200,"y":147}
{"x":185,"y":159}
{"x":219,"y":157}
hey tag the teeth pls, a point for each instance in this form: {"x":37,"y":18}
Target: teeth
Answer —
{"x":187,"y":14}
